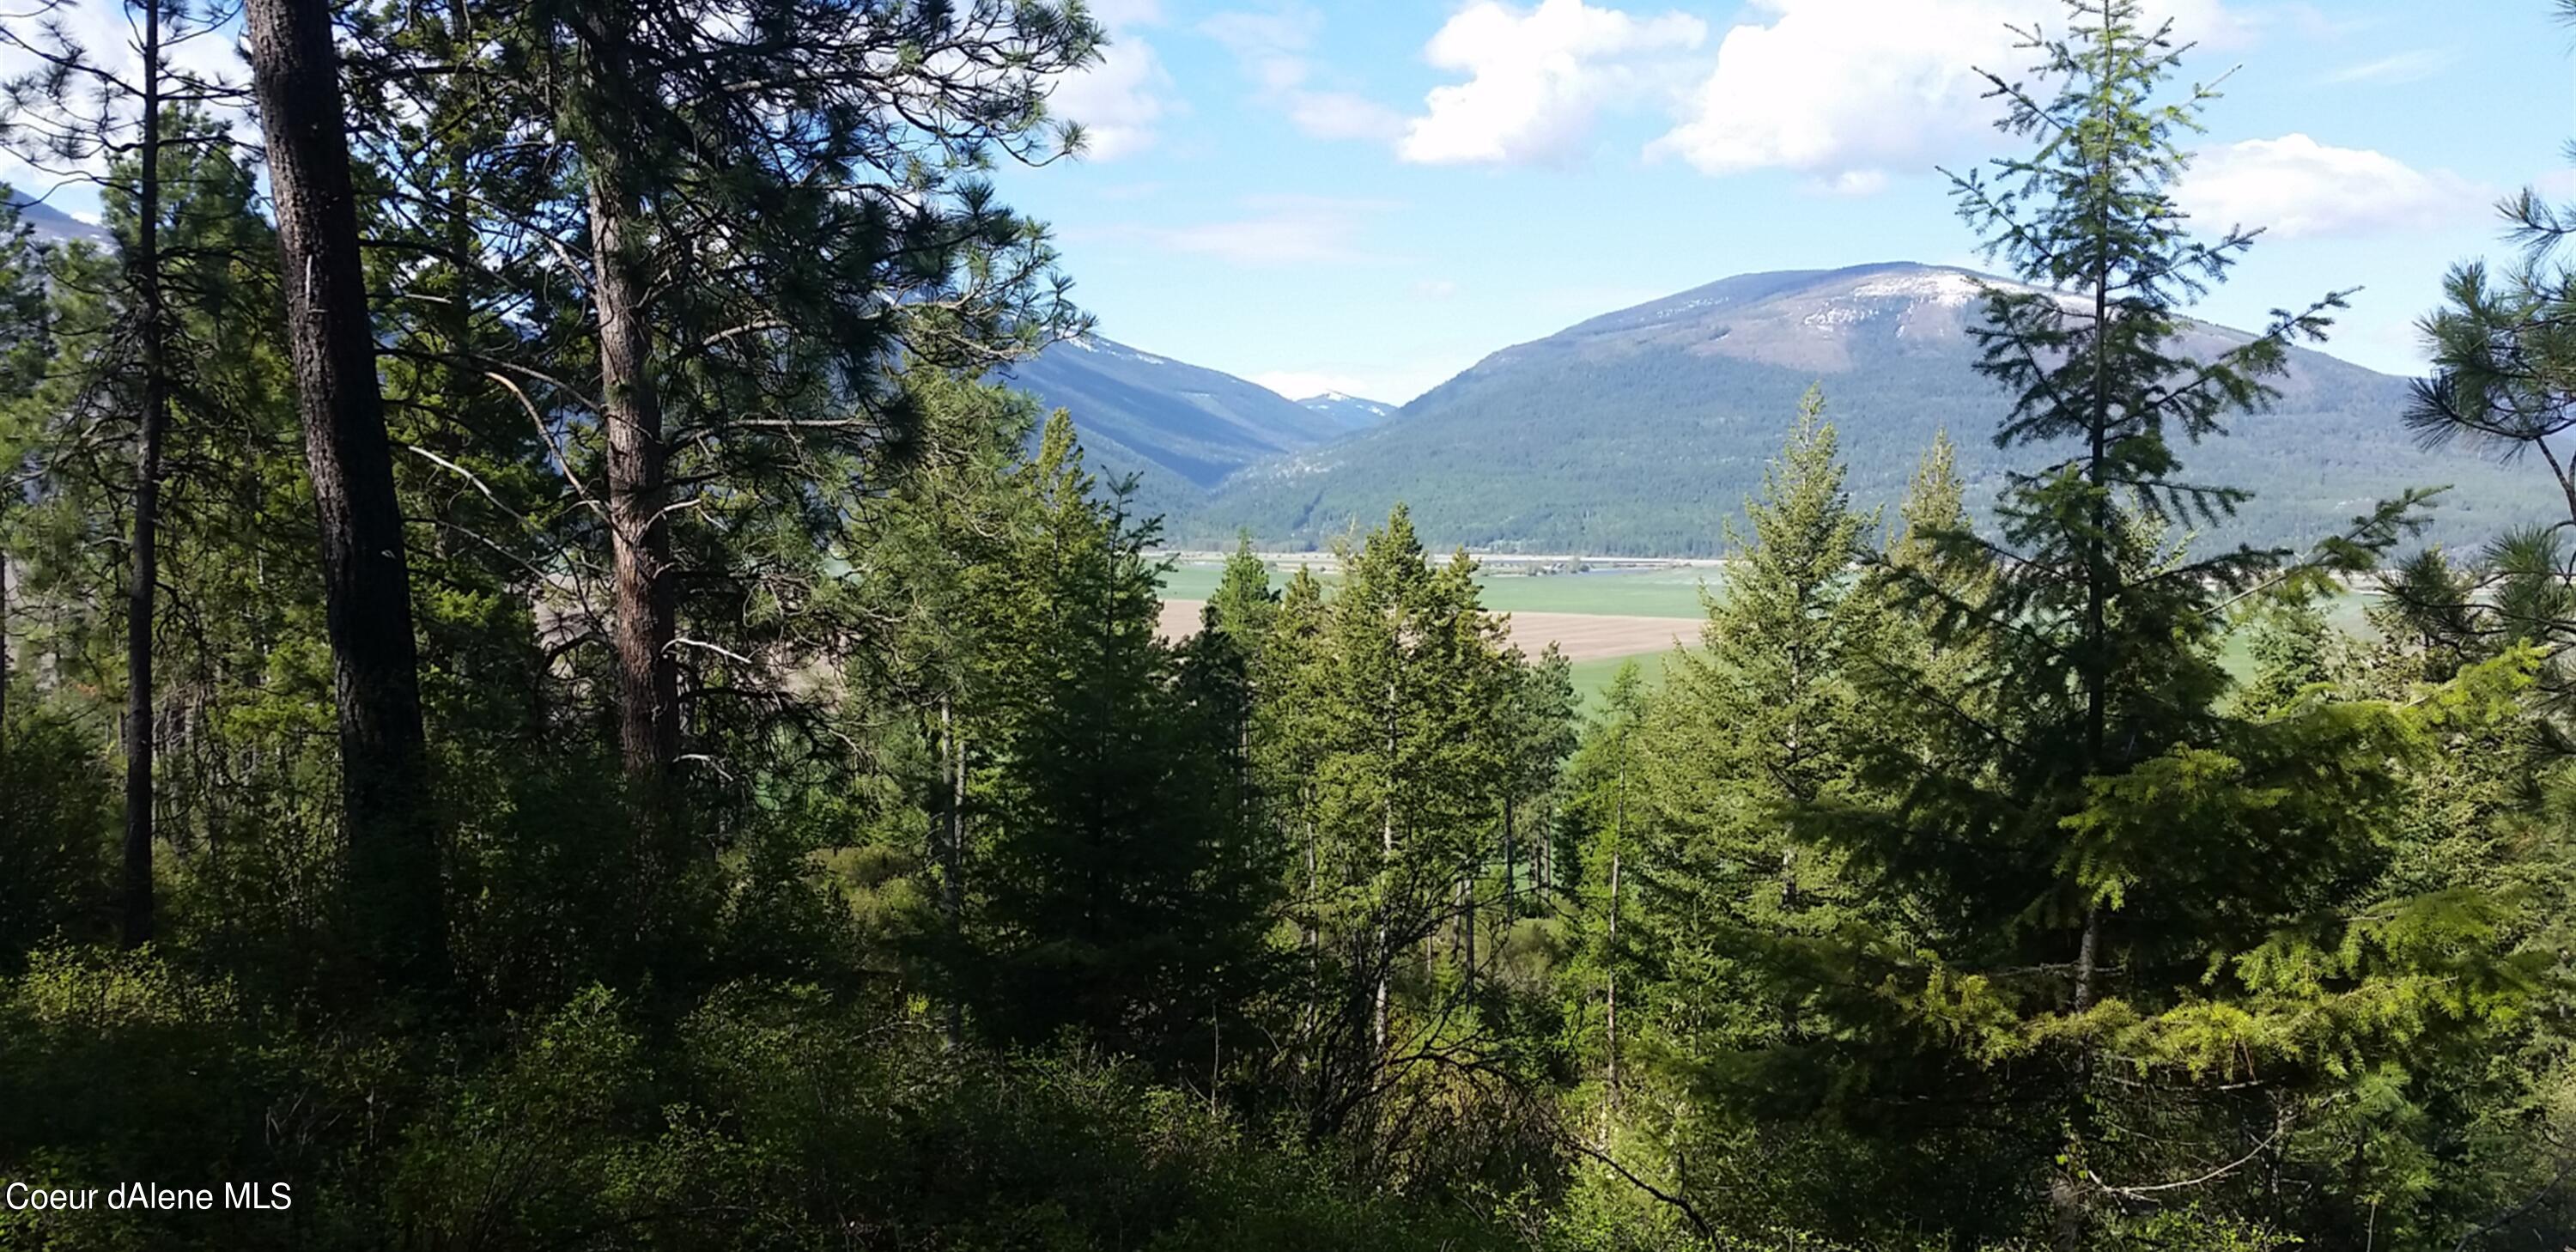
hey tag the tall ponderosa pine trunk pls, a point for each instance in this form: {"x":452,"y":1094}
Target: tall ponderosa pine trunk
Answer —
{"x":143,"y":553}
{"x":638,"y":491}
{"x":4,"y":673}
{"x":395,"y":891}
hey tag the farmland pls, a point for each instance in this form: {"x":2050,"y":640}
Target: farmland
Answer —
{"x":1599,"y":618}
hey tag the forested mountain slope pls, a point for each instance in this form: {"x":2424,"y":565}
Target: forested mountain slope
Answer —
{"x":45,"y":223}
{"x":1181,"y":426}
{"x":1641,"y":430}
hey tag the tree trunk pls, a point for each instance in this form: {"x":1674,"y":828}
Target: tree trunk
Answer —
{"x":647,"y":673}
{"x":648,"y":688}
{"x":1467,"y":926}
{"x":952,"y":845}
{"x":384,"y":759}
{"x":144,"y":549}
{"x":4,"y":673}
{"x":2065,"y":1196}
{"x":1386,"y":863}
{"x":1611,"y":962}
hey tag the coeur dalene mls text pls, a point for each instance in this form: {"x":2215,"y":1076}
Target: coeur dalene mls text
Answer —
{"x":20,"y":1197}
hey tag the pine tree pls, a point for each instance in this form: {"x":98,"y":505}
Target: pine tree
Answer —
{"x":2102,"y":870}
{"x":1752,"y":725}
{"x":1120,"y":892}
{"x":1758,"y":717}
{"x":1397,"y":711}
{"x":2504,"y":366}
{"x":1605,"y":799}
{"x":1540,"y":730}
{"x":1244,"y":606}
{"x":24,"y":347}
{"x":394,"y":844}
{"x":76,"y":109}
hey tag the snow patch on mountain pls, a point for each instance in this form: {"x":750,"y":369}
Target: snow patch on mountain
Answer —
{"x":1948,"y":288}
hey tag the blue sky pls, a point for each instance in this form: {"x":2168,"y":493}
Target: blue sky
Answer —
{"x":1370,"y":195}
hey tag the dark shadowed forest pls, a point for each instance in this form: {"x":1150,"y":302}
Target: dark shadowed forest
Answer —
{"x":550,"y":704}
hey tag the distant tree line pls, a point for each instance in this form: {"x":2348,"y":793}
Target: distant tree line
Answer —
{"x":548,"y":707}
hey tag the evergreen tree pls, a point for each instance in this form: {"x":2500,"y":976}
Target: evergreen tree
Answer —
{"x":397,"y":886}
{"x":1604,"y":786}
{"x":1758,"y":718}
{"x":2503,"y":355}
{"x":2106,"y":874}
{"x":1754,"y":724}
{"x":1245,"y":605}
{"x":1120,"y":892}
{"x":1540,"y":729}
{"x":1405,"y":677}
{"x":79,"y":110}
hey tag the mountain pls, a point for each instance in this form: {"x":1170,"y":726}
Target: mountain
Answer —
{"x":1181,"y":427}
{"x":1643,"y":430}
{"x":1352,"y":412}
{"x":50,"y":224}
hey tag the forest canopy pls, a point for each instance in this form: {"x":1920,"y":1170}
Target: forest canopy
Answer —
{"x":547,"y":701}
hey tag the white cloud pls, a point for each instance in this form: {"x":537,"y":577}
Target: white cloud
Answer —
{"x":1857,"y":183}
{"x":1274,"y":47}
{"x":2405,"y":67}
{"x":2313,"y":22}
{"x":1848,"y":89}
{"x":1343,"y":115}
{"x":1279,"y":231}
{"x":1434,"y":289}
{"x":1120,"y":98}
{"x":1270,"y":240}
{"x":1535,"y":77}
{"x":2296,"y":186}
{"x":1270,"y":45}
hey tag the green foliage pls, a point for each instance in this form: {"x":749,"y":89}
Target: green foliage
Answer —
{"x":1118,"y":888}
{"x":56,"y":833}
{"x":1949,"y":893}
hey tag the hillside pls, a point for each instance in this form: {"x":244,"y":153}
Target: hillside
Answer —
{"x":1641,"y":430}
{"x":50,"y":224}
{"x":1181,"y":427}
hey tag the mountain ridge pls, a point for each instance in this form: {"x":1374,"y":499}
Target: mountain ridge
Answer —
{"x":1353,"y":412}
{"x":48,"y":223}
{"x":1181,"y":428}
{"x":1642,"y":430}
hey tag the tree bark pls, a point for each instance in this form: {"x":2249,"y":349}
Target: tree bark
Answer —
{"x":948,"y":829}
{"x":4,"y":672}
{"x":144,"y":549}
{"x":1610,"y":957}
{"x":1386,"y":863}
{"x":395,"y":892}
{"x":2066,"y":1197}
{"x":648,"y":676}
